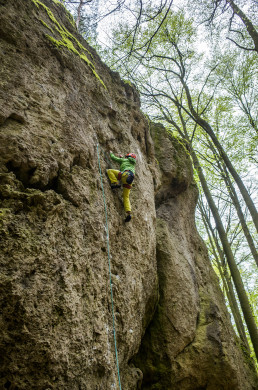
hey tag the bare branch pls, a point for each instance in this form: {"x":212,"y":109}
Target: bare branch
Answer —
{"x":240,"y":46}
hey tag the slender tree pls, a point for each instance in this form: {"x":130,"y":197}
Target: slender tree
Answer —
{"x":234,"y":197}
{"x":242,"y":296}
{"x":218,"y":254}
{"x":239,"y":286}
{"x":247,"y":23}
{"x":182,"y":75}
{"x":241,"y":29}
{"x":208,"y":128}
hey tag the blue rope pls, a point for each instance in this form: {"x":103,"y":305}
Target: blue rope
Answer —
{"x":109,"y":267}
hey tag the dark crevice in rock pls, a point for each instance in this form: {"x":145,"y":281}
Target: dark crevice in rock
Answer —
{"x":171,"y":323}
{"x":76,"y":161}
{"x":13,"y":117}
{"x":147,"y":148}
{"x":197,"y":319}
{"x":18,"y":118}
{"x":21,"y":173}
{"x":153,"y":362}
{"x":185,"y":348}
{"x":25,"y":174}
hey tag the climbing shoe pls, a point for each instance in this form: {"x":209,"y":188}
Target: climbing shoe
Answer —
{"x":115,"y":185}
{"x":128,"y":218}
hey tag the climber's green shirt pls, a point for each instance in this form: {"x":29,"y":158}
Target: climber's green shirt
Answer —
{"x":125,"y":163}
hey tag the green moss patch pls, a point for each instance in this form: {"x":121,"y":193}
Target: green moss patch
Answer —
{"x":127,"y":82}
{"x":3,"y":212}
{"x":67,"y":39}
{"x":45,"y":24}
{"x":68,"y":15}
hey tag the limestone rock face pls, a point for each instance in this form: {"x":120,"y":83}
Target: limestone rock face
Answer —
{"x":56,"y":319}
{"x":61,"y":112}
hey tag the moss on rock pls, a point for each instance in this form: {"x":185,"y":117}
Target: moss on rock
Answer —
{"x":68,"y":40}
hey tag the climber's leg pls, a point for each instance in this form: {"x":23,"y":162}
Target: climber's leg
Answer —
{"x":113,"y":177}
{"x":126,"y":193}
{"x":113,"y":174}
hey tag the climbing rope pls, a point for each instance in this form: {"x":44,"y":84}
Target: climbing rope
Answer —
{"x":109,"y":267}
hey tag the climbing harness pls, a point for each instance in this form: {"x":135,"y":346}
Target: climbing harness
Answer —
{"x":109,"y":267}
{"x":129,"y":176}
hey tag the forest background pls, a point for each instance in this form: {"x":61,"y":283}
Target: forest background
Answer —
{"x":194,"y":63}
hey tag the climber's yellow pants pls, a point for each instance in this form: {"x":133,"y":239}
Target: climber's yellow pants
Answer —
{"x":127,"y":204}
{"x":113,"y":177}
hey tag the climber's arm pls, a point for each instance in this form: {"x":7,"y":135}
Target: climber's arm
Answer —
{"x":114,"y":158}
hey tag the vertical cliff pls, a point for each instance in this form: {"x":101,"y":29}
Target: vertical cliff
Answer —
{"x":59,"y":102}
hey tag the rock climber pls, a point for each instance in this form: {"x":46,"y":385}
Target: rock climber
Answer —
{"x":124,"y":175}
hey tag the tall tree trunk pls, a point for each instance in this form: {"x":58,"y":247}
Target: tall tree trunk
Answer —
{"x":239,"y":286}
{"x":240,"y":289}
{"x":206,"y":126}
{"x":225,"y":278}
{"x":241,"y":216}
{"x":79,"y":12}
{"x":235,"y":309}
{"x":247,"y":22}
{"x":235,"y":200}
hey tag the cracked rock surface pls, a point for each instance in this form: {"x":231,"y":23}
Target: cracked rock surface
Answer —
{"x":55,"y":304}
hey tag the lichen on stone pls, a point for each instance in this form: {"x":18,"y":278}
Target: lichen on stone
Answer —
{"x":46,"y":25}
{"x":67,"y":13}
{"x":67,"y":39}
{"x":127,"y":82}
{"x":3,"y":212}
